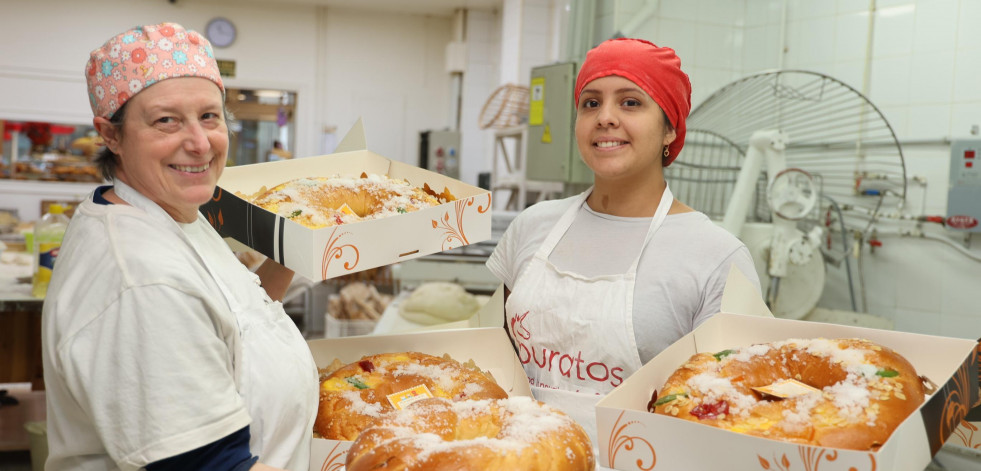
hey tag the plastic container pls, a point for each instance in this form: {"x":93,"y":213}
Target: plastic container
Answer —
{"x":336,"y":328}
{"x":29,"y":241}
{"x":37,"y":433}
{"x":48,"y":234}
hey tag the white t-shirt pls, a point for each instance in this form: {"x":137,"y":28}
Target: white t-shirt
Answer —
{"x":680,"y":277}
{"x":141,"y":351}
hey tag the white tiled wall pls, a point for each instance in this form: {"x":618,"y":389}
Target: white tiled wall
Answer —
{"x":924,"y":74}
{"x":536,"y":29}
{"x":850,"y":36}
{"x":479,"y":81}
{"x":934,"y":25}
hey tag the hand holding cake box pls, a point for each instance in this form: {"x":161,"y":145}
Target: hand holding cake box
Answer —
{"x":840,"y":393}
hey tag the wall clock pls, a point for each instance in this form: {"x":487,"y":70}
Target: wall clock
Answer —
{"x":221,"y":32}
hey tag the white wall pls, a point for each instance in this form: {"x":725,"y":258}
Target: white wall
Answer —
{"x":504,"y":46}
{"x":483,"y":39}
{"x":922,"y":72}
{"x":388,"y":69}
{"x":343,"y":64}
{"x":42,"y":78}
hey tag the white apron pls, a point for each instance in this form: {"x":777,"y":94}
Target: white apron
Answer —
{"x":575,"y":334}
{"x":271,"y":362}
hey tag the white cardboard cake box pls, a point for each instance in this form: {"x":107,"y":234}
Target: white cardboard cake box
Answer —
{"x":320,"y":254}
{"x":630,"y":438}
{"x":488,"y":347}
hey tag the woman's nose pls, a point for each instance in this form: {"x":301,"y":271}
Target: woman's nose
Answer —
{"x":607,"y":116}
{"x":197,"y":138}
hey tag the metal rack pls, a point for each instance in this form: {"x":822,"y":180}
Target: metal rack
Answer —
{"x":508,"y":171}
{"x":836,"y":134}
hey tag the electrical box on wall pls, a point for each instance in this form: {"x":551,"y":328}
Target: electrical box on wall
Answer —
{"x":551,"y":151}
{"x":964,"y":194}
{"x":439,"y":151}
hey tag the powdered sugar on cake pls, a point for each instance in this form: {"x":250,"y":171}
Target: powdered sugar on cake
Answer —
{"x":329,"y":201}
{"x":850,"y":396}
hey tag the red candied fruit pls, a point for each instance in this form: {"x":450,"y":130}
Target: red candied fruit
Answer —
{"x":710,"y":411}
{"x":366,"y":366}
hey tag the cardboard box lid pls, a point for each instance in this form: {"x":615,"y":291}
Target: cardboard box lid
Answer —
{"x":740,"y":296}
{"x":354,"y":139}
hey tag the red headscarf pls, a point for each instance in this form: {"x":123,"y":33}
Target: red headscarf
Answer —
{"x":656,"y":70}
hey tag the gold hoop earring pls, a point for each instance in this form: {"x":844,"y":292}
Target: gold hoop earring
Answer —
{"x":666,"y":152}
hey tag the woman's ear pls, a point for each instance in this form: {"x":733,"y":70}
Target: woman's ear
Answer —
{"x":670,"y":136}
{"x":109,"y":132}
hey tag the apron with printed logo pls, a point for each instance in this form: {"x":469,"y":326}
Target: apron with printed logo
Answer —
{"x":271,"y":361}
{"x":574,"y":334}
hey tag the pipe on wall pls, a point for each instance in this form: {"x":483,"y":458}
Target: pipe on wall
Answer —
{"x":582,"y":25}
{"x":457,"y":47}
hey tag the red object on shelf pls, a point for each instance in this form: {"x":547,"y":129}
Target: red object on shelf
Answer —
{"x":61,"y":129}
{"x":38,"y":133}
{"x":875,"y":242}
{"x":936,"y":219}
{"x":12,"y":127}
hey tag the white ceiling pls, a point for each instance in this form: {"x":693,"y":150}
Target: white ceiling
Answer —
{"x":418,"y":7}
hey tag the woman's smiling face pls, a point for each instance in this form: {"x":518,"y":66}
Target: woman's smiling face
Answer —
{"x":173,"y":144}
{"x":620,"y":130}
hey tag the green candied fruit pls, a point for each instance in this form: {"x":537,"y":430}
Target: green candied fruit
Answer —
{"x":354,"y":381}
{"x":295,"y":213}
{"x":669,"y":398}
{"x":887,"y":373}
{"x":719,"y":356}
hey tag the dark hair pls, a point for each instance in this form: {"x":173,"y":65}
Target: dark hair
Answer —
{"x":107,"y":161}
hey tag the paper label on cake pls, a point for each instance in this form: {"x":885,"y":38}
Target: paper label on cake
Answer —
{"x":786,"y":388}
{"x":403,"y":398}
{"x":347,"y":210}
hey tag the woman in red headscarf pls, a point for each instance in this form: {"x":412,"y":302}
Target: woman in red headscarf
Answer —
{"x":600,"y":283}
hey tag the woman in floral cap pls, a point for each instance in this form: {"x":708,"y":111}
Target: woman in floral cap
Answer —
{"x":161,"y":350}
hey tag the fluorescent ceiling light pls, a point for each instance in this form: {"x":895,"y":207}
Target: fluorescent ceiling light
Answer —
{"x":268,"y":93}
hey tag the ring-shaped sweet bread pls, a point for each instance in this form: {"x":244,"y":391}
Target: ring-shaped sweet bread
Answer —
{"x":861,"y":391}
